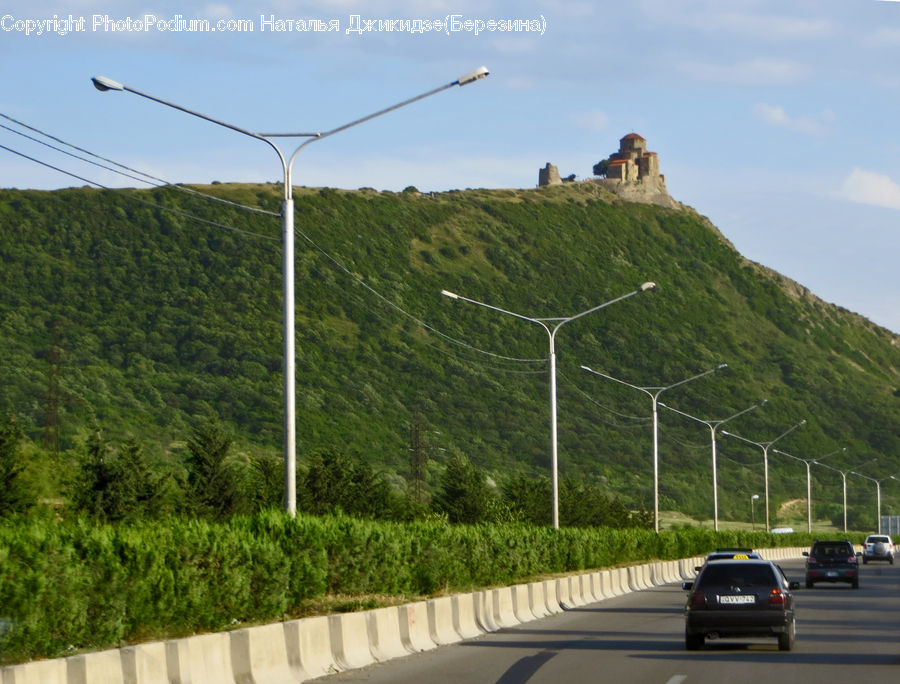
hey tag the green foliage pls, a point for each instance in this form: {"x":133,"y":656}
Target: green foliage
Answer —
{"x":15,"y":496}
{"x":464,"y":495}
{"x":156,"y":320}
{"x":88,"y":585}
{"x":213,"y":483}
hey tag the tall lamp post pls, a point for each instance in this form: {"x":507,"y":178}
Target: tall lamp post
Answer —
{"x":551,"y":326}
{"x":653,"y":393}
{"x":104,"y":84}
{"x":844,"y":481}
{"x":808,"y":462}
{"x":753,"y":500}
{"x":765,"y":449}
{"x":877,"y":491}
{"x":713,"y":426}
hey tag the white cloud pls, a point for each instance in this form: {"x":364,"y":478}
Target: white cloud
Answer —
{"x":870,"y":187}
{"x":591,"y":121}
{"x":774,"y":115}
{"x":761,"y":71}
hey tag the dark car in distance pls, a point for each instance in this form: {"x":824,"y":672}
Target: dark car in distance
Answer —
{"x":740,"y":598}
{"x":832,"y":561}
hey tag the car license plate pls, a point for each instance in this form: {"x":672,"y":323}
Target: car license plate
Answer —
{"x":735,"y":599}
{"x":831,"y":573}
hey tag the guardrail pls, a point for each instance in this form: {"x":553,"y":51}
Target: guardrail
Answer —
{"x":300,"y":650}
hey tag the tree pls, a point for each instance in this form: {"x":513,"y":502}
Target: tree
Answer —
{"x":335,"y":481}
{"x":213,"y":482}
{"x":14,"y":495}
{"x":118,"y":484}
{"x":464,"y":494}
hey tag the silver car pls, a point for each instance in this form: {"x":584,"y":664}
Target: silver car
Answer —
{"x":878,"y":547}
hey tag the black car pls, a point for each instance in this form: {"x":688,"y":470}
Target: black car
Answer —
{"x":740,"y":598}
{"x":832,"y":561}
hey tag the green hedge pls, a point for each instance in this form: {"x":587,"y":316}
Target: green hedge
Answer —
{"x":74,"y":584}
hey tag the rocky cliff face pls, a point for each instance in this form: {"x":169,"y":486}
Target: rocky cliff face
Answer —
{"x":650,"y":190}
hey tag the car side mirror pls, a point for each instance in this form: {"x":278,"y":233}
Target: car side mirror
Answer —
{"x":858,"y":554}
{"x":687,"y":586}
{"x":806,"y":553}
{"x":794,"y":586}
{"x":698,"y":568}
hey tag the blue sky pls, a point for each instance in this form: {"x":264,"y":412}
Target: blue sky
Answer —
{"x":776,"y":119}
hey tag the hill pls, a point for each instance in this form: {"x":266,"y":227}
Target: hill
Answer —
{"x":144,"y":311}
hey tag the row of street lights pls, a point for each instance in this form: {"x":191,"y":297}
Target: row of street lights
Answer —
{"x":550,"y":325}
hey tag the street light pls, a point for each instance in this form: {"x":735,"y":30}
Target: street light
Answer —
{"x":556,"y":324}
{"x":765,"y":449}
{"x":104,"y":84}
{"x":877,"y":489}
{"x":713,"y":426}
{"x":753,"y":510}
{"x":807,"y":462}
{"x":844,"y":480}
{"x":653,"y":393}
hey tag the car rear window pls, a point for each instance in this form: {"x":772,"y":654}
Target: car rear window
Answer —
{"x":832,"y":550}
{"x":875,"y":540}
{"x":737,"y":574}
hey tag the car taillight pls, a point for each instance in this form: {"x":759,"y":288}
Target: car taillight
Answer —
{"x":812,"y":559}
{"x":698,"y":598}
{"x":776,"y":597}
{"x":852,"y":559}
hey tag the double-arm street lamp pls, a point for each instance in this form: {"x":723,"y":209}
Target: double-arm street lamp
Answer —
{"x":877,"y":490}
{"x":287,"y":213}
{"x":809,"y":462}
{"x":713,"y":426}
{"x":653,"y":393}
{"x":551,"y":326}
{"x":765,"y":449}
{"x":843,"y":474}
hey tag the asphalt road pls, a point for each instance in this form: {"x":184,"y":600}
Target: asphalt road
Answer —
{"x":844,"y":635}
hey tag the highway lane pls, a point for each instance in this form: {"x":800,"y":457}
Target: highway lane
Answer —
{"x":844,"y":635}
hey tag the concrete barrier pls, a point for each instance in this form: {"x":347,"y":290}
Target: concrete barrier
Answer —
{"x":484,"y":612}
{"x":203,"y":659}
{"x":464,"y":619}
{"x":145,"y":663}
{"x":414,"y":627}
{"x":521,"y":603}
{"x":309,"y":646}
{"x":350,"y":641}
{"x":538,"y":599}
{"x":259,"y":654}
{"x":103,"y":667}
{"x":383,"y":625}
{"x":440,"y":621}
{"x":635,"y":581}
{"x":577,"y":594}
{"x":603,"y":588}
{"x":502,"y":609}
{"x":37,"y":672}
{"x":562,"y":593}
{"x":551,"y":597}
{"x":595,"y":587}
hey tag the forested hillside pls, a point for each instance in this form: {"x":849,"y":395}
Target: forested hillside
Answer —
{"x":141,"y":314}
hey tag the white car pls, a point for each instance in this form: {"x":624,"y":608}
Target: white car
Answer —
{"x":878,"y":547}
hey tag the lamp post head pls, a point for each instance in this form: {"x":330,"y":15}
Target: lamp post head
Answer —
{"x":754,"y":497}
{"x":721,"y":366}
{"x":647,"y":286}
{"x":452,"y":295}
{"x":472,"y":76}
{"x":103,"y":84}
